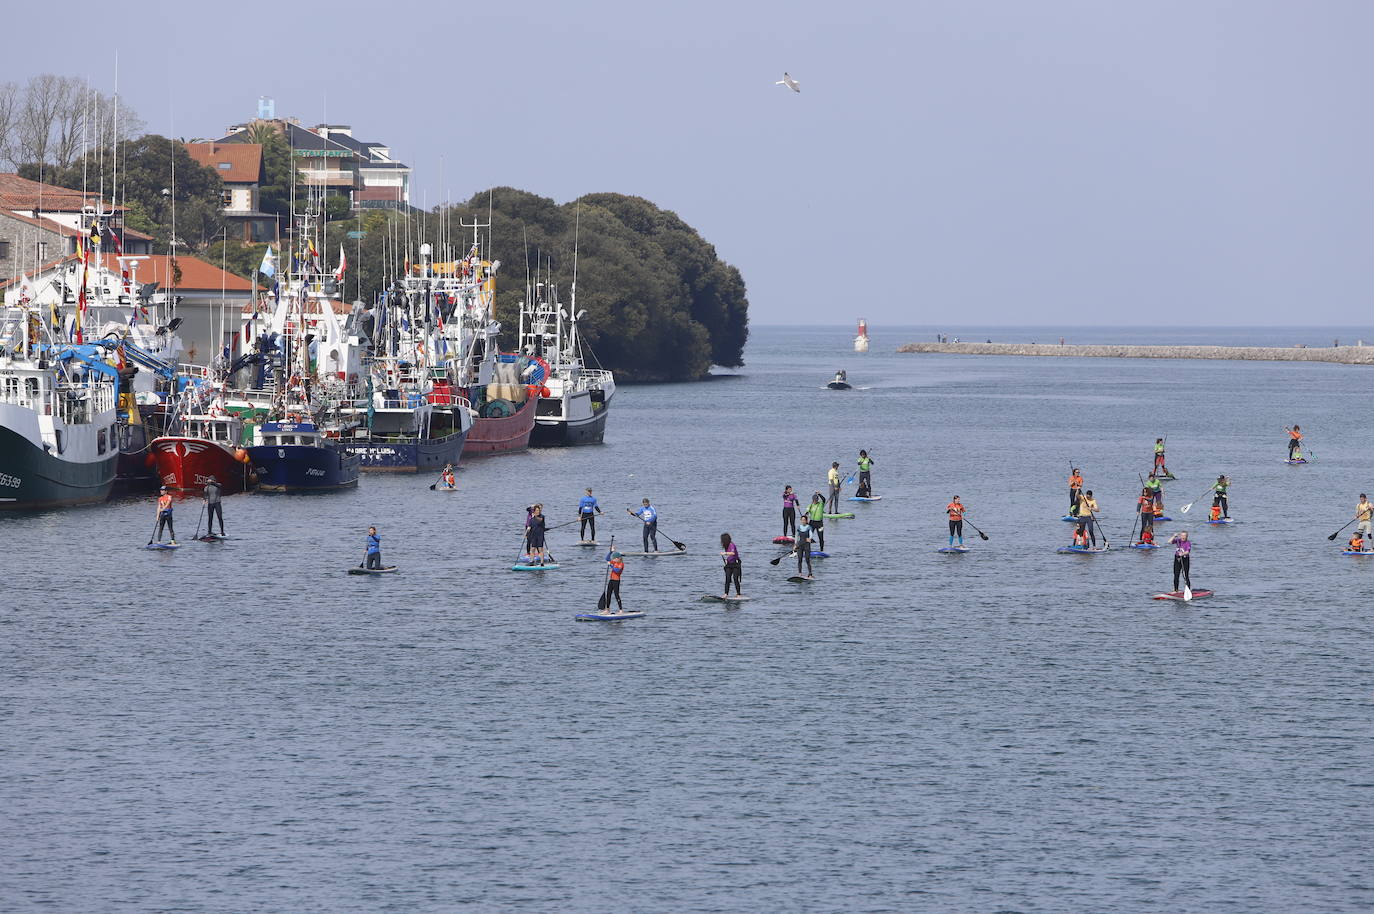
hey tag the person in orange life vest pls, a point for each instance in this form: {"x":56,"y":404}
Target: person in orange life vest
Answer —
{"x":617,"y":563}
{"x":955,"y":510}
{"x":1080,"y":536}
{"x":1147,"y":536}
{"x":1144,"y":506}
{"x":1075,"y":486}
{"x":164,"y":515}
{"x":1294,"y":440}
{"x":1356,"y":542}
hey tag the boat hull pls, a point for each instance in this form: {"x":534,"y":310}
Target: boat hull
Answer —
{"x":839,"y":385}
{"x":492,"y":436}
{"x":32,"y":479}
{"x":558,"y":433}
{"x":186,"y":465}
{"x":136,"y":470}
{"x":303,"y":468}
{"x":407,"y":455}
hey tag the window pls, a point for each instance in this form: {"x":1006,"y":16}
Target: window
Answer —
{"x":226,"y":199}
{"x":4,"y":250}
{"x":224,"y":166}
{"x":100,"y":442}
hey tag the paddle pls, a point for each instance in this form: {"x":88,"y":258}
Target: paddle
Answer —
{"x":784,"y":555}
{"x":1187,"y":593}
{"x":198,"y":520}
{"x":154,"y":533}
{"x":604,"y":601}
{"x":1346,"y":524}
{"x":681,"y":547}
{"x":435,"y":484}
{"x":1188,"y":507}
{"x":975,"y":529}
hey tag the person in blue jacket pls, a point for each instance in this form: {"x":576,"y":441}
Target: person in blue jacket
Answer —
{"x":587,"y":510}
{"x":650,"y":518}
{"x":374,"y":548}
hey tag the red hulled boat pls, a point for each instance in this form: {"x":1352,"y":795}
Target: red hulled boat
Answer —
{"x":209,"y":447}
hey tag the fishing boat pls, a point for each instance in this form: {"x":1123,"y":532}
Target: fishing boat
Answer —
{"x":576,"y":400}
{"x":58,"y":443}
{"x":861,"y":341}
{"x":839,"y":382}
{"x":205,"y":445}
{"x":301,"y":457}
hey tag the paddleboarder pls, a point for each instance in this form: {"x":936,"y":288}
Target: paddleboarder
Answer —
{"x":1294,"y":440}
{"x":1183,"y":557}
{"x":1219,"y":499}
{"x":649,"y":516}
{"x":1156,"y":489}
{"x":1087,"y":515}
{"x":789,"y":511}
{"x":1080,"y":537}
{"x":955,"y":510}
{"x":616,"y":561}
{"x":1075,"y":487}
{"x":865,"y":475}
{"x":815,"y":515}
{"x":213,"y":506}
{"x":734,"y":569}
{"x":535,"y":526}
{"x":1144,"y":506}
{"x":802,"y":548}
{"x":1356,"y":542}
{"x":833,"y":477}
{"x":449,"y":480}
{"x":374,"y":549}
{"x":587,"y":510}
{"x":164,"y":515}
{"x":1159,"y":467}
{"x":1364,"y":510}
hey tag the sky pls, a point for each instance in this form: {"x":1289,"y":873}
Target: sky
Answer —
{"x":1057,"y":162}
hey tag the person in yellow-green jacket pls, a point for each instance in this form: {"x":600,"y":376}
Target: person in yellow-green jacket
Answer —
{"x":865,"y":480}
{"x":815,"y":513}
{"x":834,"y":477}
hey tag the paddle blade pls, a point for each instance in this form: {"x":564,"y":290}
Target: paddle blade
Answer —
{"x":1187,"y":593}
{"x":601,"y":603}
{"x":983,"y":535}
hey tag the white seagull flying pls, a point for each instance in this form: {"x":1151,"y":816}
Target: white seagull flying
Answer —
{"x":789,"y":82}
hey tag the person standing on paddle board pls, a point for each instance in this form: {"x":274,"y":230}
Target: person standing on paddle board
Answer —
{"x":1159,"y":467}
{"x":535,"y":526}
{"x":1087,"y":515}
{"x":616,"y":561}
{"x":1075,"y":487}
{"x":213,"y":506}
{"x":1183,"y":558}
{"x":734,"y":569}
{"x":164,"y":515}
{"x":1294,"y":439}
{"x":802,"y":548}
{"x":1364,"y":511}
{"x":587,"y":510}
{"x":865,"y":477}
{"x":649,"y":516}
{"x":789,"y":511}
{"x":815,"y":513}
{"x":1219,"y":499}
{"x":833,"y":477}
{"x":1144,"y":506}
{"x":374,"y":549}
{"x":1156,"y":489}
{"x":955,"y":510}
{"x":447,"y":477}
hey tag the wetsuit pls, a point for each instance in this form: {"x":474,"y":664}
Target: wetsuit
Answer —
{"x":613,"y":581}
{"x":1220,"y":500}
{"x":587,"y":510}
{"x":815,"y":513}
{"x":214,"y":508}
{"x":803,"y":548}
{"x":1075,"y":486}
{"x":733,"y":568}
{"x":374,"y":550}
{"x":1145,"y":507}
{"x":534,"y":535}
{"x":164,"y":517}
{"x":1183,"y":554}
{"x":833,"y":506}
{"x":956,"y":521}
{"x":865,"y":480}
{"x":650,"y":518}
{"x":789,"y":514}
{"x":1294,"y":441}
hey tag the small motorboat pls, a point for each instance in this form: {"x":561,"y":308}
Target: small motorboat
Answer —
{"x":839,"y":382}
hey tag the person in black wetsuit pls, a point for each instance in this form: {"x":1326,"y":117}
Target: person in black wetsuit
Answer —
{"x":802,"y":548}
{"x":213,"y":506}
{"x":534,"y":532}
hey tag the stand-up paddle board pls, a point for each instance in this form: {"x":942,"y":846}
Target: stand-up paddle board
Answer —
{"x":1296,"y":462}
{"x":1162,"y":518}
{"x":1171,"y":476}
{"x":717,"y":598}
{"x":960,"y":550}
{"x":550,"y":566}
{"x":608,"y":617}
{"x":446,"y":488}
{"x":1222,"y":522}
{"x":798,"y":579}
{"x":1080,"y":550}
{"x":1071,"y":518}
{"x":163,"y":546}
{"x":783,"y":540}
{"x":1144,"y":545}
{"x":839,"y":516}
{"x":588,"y":543}
{"x":864,"y":498}
{"x":817,"y":554}
{"x":212,"y":538}
{"x":387,"y":570}
{"x":1178,"y":595}
{"x":653,"y":554}
{"x":1353,"y":552}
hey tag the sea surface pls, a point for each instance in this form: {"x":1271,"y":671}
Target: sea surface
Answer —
{"x":242,"y":727}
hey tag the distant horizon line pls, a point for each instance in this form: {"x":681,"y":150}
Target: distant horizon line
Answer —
{"x":1154,"y":326}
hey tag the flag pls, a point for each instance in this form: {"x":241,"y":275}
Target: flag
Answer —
{"x":118,"y":242}
{"x":25,"y":289}
{"x":276,"y":291}
{"x":95,"y":234}
{"x":343,"y":265}
{"x":269,"y":263}
{"x":313,"y":254}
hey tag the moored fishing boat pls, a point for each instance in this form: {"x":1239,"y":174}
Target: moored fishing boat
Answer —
{"x":301,"y":457}
{"x":576,"y":400}
{"x":206,"y":445}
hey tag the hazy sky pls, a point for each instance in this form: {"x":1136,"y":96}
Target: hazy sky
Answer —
{"x":1004,"y":162}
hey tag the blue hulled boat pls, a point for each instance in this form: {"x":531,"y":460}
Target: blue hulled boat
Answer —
{"x":299,"y":457}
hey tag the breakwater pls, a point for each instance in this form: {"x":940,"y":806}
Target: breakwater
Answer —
{"x":1348,"y":355}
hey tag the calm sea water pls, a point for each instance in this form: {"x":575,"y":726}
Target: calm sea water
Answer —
{"x":243,"y":727}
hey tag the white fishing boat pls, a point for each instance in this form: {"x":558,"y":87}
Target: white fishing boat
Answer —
{"x":578,"y":399}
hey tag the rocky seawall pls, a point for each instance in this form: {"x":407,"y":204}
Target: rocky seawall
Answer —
{"x":1347,"y":355}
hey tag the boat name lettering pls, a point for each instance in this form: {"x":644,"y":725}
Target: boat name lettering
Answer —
{"x":377,"y":450}
{"x":314,"y":472}
{"x":12,"y":482}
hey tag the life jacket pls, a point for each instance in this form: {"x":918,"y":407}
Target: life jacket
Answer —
{"x":164,"y":503}
{"x":1356,"y":543}
{"x":1075,"y":481}
{"x":1158,"y":510}
{"x":1216,"y":512}
{"x":1295,"y":434}
{"x":617,"y":568}
{"x":1147,"y":535}
{"x":955,"y":510}
{"x":1080,"y":537}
